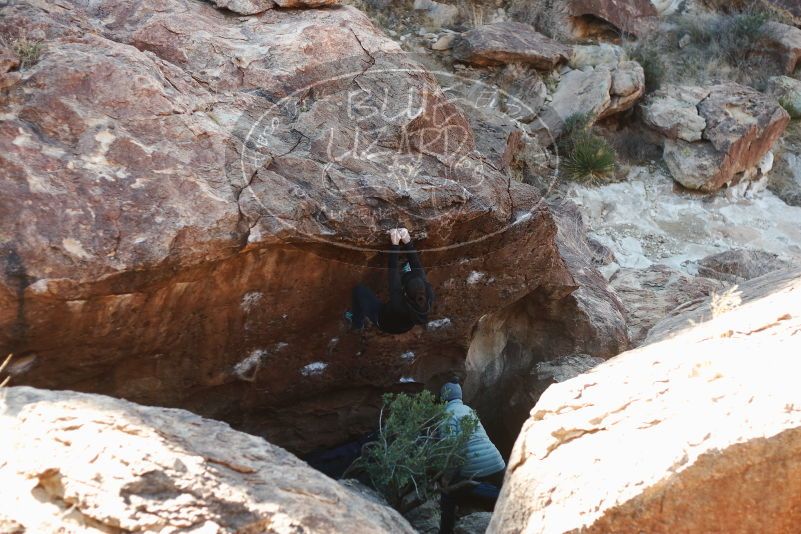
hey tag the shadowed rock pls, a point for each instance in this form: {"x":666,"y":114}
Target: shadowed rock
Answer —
{"x":592,"y":91}
{"x":650,"y":294}
{"x":503,"y":362}
{"x":627,"y":16}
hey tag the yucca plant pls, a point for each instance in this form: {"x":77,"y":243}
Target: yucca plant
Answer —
{"x":584,"y":156}
{"x":591,"y":158}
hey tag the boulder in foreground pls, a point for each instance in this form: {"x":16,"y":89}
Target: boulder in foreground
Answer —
{"x":76,"y":462}
{"x":698,"y":433}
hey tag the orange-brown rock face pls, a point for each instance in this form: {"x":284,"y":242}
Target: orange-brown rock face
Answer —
{"x":188,"y":198}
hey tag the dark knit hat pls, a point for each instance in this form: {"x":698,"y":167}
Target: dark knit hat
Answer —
{"x":450,"y":391}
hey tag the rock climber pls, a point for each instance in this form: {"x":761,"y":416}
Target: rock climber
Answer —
{"x":410,"y":294}
{"x":478,"y":481}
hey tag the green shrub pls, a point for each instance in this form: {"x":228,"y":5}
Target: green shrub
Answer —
{"x":714,"y":48}
{"x":590,"y":159}
{"x":411,"y":454}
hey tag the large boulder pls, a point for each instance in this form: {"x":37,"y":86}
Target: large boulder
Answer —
{"x":245,"y":7}
{"x":594,"y":91}
{"x":673,"y":112}
{"x":506,"y":367}
{"x":714,"y":136}
{"x":699,"y":431}
{"x":188,"y":198}
{"x":787,"y":91}
{"x":785,"y":41}
{"x":509,"y":42}
{"x":75,"y":462}
{"x":667,"y":7}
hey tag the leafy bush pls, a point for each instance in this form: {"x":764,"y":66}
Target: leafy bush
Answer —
{"x":575,"y":124}
{"x":412,"y":452}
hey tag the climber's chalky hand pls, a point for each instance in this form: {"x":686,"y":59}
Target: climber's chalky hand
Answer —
{"x":404,"y":235}
{"x":395,"y":236}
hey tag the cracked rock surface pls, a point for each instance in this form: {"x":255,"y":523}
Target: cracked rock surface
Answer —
{"x":697,"y":431}
{"x":88,"y":463}
{"x":189,"y":196}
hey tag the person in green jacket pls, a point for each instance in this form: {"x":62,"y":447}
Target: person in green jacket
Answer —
{"x":483,"y":466}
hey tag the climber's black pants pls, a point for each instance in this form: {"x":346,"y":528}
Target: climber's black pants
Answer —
{"x":364,"y":304}
{"x":482,"y":496}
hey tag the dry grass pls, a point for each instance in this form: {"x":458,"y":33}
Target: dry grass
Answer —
{"x":549,"y":17}
{"x":472,"y":13}
{"x":28,"y":50}
{"x":719,"y":48}
{"x":2,"y":368}
{"x":725,"y":302}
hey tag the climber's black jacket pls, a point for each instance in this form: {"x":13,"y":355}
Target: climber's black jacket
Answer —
{"x":400,"y":314}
